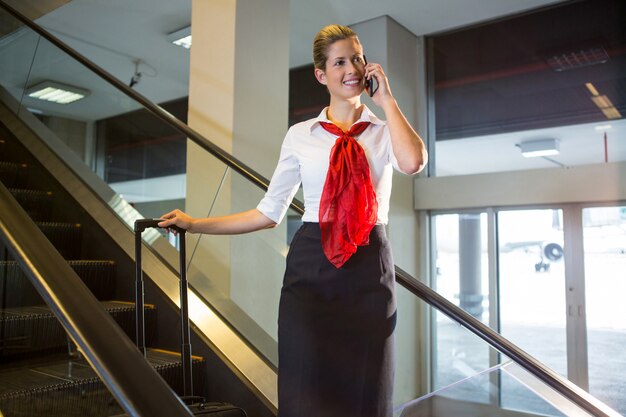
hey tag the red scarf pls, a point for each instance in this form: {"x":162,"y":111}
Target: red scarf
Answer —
{"x":348,"y":207}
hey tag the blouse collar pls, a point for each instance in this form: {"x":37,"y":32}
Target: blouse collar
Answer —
{"x":366,"y":116}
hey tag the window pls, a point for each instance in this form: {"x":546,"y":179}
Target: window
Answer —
{"x":552,"y":79}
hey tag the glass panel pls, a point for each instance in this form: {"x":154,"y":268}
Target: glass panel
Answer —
{"x":459,"y":355}
{"x":533,"y":397}
{"x":532,"y":284}
{"x":604,"y":231}
{"x":139,"y":156}
{"x":246,"y":271}
{"x":143,"y":160}
{"x":467,"y":385}
{"x":510,"y":86}
{"x":18,"y":45}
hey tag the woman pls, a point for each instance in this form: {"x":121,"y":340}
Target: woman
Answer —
{"x":337,"y":310}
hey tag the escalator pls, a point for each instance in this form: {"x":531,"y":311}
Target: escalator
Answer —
{"x":90,"y":225}
{"x":43,"y":372}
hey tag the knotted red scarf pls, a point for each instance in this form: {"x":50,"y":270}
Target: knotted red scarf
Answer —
{"x":348,"y":207}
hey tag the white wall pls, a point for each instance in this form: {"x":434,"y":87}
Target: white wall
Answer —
{"x":578,"y":184}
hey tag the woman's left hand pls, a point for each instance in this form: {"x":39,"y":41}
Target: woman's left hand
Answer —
{"x":383,"y":93}
{"x":408,"y":147}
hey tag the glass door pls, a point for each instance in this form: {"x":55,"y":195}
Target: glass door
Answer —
{"x":532,"y":294}
{"x":551,"y":280}
{"x":604,"y":240}
{"x":461,"y":275}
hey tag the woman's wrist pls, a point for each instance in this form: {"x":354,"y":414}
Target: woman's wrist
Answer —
{"x":389,"y":105}
{"x":193,"y":225}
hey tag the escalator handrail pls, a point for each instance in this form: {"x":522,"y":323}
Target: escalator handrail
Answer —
{"x":134,"y":383}
{"x":554,"y":380}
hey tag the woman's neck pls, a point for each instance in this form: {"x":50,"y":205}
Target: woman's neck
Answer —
{"x":344,"y":113}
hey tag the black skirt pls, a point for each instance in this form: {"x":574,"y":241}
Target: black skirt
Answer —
{"x":335,"y":330}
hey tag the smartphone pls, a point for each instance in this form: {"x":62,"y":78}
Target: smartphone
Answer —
{"x":370,"y":85}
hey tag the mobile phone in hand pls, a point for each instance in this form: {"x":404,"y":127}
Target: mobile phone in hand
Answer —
{"x":370,"y":85}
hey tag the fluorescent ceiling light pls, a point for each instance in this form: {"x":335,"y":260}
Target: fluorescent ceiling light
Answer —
{"x":539,"y":147}
{"x":611,"y":113}
{"x":592,"y":89}
{"x":603,"y":103}
{"x":603,"y":127}
{"x":181,"y":37}
{"x":56,"y":92}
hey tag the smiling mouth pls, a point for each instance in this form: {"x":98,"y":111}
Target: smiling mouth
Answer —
{"x":352,"y":82}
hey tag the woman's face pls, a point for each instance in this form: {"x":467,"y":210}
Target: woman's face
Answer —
{"x":345,"y":68}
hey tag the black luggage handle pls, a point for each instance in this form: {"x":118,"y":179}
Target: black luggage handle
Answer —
{"x":143,"y":224}
{"x":140,"y":331}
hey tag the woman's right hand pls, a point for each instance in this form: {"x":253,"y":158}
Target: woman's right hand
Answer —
{"x":179,"y":219}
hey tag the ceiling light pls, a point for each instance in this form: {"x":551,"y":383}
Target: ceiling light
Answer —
{"x":56,"y":92}
{"x":181,"y":37}
{"x":603,"y":102}
{"x":592,"y":89}
{"x":611,"y":113}
{"x":577,"y":59}
{"x":606,"y":107}
{"x":539,"y":147}
{"x":603,"y":127}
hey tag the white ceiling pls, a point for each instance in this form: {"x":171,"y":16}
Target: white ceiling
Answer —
{"x":421,"y":17}
{"x":578,"y":145}
{"x":116,"y":33}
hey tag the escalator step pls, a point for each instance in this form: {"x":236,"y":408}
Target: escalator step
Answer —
{"x":36,"y":203}
{"x":13,"y":174}
{"x":26,"y":331}
{"x":168,"y":364}
{"x":66,"y":237}
{"x":71,"y":388}
{"x":124,"y":314}
{"x":99,"y":277}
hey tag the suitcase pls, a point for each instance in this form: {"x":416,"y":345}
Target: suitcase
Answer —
{"x":211,"y":409}
{"x":196,"y":405}
{"x":214,"y":409}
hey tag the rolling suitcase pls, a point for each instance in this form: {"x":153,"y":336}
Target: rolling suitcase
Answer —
{"x":196,"y":404}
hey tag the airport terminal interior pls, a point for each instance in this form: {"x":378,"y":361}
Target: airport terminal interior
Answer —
{"x":510,"y":247}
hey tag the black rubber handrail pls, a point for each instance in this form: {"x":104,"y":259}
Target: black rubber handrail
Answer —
{"x":419,"y":289}
{"x":109,"y":351}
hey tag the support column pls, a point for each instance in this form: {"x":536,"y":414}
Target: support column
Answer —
{"x":470,"y":271}
{"x":387,"y":42}
{"x":238,"y":98}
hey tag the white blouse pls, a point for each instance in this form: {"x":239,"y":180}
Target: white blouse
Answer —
{"x":304,"y":158}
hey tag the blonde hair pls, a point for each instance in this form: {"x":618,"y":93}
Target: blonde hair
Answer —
{"x":326,"y":37}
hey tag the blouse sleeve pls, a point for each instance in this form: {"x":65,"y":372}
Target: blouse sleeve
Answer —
{"x":283,"y":185}
{"x":392,"y":156}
